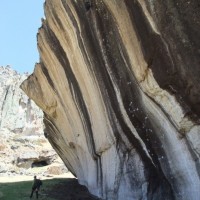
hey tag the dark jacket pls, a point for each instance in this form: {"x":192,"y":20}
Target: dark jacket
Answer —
{"x":36,"y":184}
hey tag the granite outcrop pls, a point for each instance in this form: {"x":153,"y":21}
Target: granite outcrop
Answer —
{"x":118,"y":82}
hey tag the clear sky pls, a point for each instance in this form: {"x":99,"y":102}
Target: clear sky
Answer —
{"x":19,"y":23}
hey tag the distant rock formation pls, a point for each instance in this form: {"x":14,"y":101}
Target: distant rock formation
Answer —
{"x":22,"y":142}
{"x":118,"y":82}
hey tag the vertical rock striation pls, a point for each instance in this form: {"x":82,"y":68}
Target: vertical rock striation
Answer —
{"x":118,"y":82}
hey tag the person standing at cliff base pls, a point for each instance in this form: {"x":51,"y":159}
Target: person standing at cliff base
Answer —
{"x":36,"y":186}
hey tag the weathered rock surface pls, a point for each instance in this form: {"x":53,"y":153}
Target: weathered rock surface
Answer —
{"x":118,"y":82}
{"x":22,"y":141}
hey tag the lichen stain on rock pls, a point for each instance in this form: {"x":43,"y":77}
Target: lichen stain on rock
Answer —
{"x":125,"y":79}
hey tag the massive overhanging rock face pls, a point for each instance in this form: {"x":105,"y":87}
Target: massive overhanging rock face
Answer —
{"x":118,"y":82}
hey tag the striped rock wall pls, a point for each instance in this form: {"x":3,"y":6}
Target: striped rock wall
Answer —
{"x":118,"y":82}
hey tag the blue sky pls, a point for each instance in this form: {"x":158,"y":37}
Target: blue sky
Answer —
{"x":19,"y":22}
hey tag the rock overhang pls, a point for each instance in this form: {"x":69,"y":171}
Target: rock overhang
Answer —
{"x":121,"y":103}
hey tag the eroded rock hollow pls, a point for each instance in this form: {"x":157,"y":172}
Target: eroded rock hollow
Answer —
{"x":118,"y":82}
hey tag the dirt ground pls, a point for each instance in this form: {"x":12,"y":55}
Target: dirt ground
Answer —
{"x":67,"y":188}
{"x":70,"y":189}
{"x":10,"y":179}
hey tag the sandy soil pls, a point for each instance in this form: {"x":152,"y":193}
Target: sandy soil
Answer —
{"x":9,"y":179}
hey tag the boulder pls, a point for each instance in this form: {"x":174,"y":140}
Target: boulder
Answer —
{"x":118,"y":82}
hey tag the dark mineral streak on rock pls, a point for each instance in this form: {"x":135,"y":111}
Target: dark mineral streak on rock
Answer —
{"x":103,"y":77}
{"x":74,"y":87}
{"x":108,"y":59}
{"x":46,"y":73}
